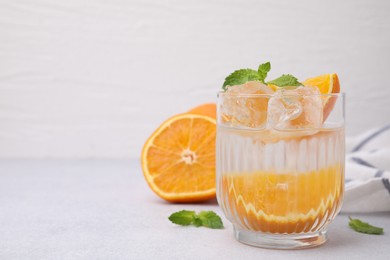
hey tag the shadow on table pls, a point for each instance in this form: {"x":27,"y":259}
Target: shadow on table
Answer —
{"x":341,"y":238}
{"x":157,"y":200}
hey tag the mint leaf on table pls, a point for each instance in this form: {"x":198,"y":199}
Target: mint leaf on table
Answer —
{"x":210,"y":219}
{"x":205,"y":218}
{"x":197,"y":222}
{"x":263,"y":71}
{"x":285,"y":80}
{"x":363,"y":227}
{"x":239,"y":77}
{"x":184,"y":217}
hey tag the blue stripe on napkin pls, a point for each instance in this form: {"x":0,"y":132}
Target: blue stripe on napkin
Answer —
{"x":369,"y":138}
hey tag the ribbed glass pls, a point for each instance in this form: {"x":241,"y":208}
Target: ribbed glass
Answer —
{"x":288,"y":186}
{"x":277,"y":184}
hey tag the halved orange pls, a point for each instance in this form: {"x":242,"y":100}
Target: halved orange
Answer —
{"x":327,"y":84}
{"x":209,"y":109}
{"x":178,"y":159}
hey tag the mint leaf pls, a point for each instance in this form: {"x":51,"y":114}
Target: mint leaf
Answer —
{"x":197,"y":221}
{"x":239,"y":77}
{"x":263,"y":70}
{"x":242,"y":76}
{"x":183,"y":217}
{"x":285,"y":80}
{"x":363,"y":227}
{"x":205,"y":218}
{"x":210,"y":219}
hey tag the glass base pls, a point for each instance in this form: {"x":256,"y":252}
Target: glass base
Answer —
{"x":280,"y":241}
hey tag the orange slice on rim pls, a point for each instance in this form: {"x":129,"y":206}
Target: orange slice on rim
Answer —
{"x":327,"y":84}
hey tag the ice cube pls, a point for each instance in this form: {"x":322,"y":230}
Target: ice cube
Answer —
{"x":296,"y":109}
{"x":239,"y":110}
{"x":250,"y":87}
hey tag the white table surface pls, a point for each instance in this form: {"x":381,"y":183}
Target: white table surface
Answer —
{"x":103,"y":209}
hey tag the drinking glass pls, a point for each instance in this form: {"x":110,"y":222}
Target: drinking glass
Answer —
{"x":280,"y":166}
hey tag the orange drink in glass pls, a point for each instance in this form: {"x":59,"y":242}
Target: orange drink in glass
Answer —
{"x":280,"y":165}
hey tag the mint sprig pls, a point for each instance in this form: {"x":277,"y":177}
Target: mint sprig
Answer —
{"x":205,"y":218}
{"x":239,"y":77}
{"x":263,"y":71}
{"x":210,"y":219}
{"x":242,"y":76}
{"x":285,"y":80}
{"x":363,"y":227}
{"x":184,"y":217}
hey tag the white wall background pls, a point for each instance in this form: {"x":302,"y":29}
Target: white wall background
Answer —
{"x":94,"y":78}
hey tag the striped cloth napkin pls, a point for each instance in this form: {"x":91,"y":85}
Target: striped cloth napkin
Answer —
{"x":367,"y":172}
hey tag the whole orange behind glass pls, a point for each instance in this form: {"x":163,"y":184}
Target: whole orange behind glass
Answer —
{"x":279,"y":182}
